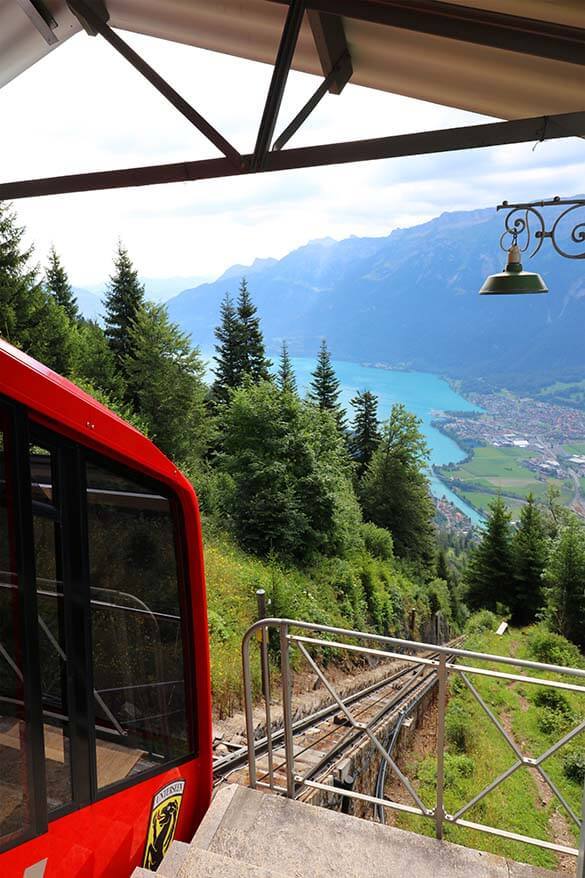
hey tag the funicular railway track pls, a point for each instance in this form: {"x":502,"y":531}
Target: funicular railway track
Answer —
{"x":323,"y":740}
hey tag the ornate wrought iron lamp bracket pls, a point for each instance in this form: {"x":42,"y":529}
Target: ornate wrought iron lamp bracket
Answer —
{"x":520,"y":216}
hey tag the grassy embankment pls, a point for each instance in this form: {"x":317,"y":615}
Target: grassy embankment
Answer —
{"x":361,"y":592}
{"x":477,"y":753}
{"x":491,"y":470}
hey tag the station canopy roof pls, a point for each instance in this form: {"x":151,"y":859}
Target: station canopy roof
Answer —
{"x":504,"y":58}
{"x":521,"y":61}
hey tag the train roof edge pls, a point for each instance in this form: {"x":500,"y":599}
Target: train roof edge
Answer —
{"x":28,"y":381}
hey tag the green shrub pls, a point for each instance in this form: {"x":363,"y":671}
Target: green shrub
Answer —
{"x":457,"y":768}
{"x":348,"y":588}
{"x":574,"y":765}
{"x":439,"y":598}
{"x":215,"y":490}
{"x":552,"y":722}
{"x":395,"y":608}
{"x":378,"y":541}
{"x":458,"y":726}
{"x":553,"y":649}
{"x":375,"y":597}
{"x":219,"y":631}
{"x":554,"y":700}
{"x":457,"y":685}
{"x":483,"y":620}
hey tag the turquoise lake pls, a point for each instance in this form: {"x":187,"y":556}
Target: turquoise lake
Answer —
{"x":421,"y":392}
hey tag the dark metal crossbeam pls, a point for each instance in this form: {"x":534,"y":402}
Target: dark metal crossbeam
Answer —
{"x":305,"y":112}
{"x":280,"y":73}
{"x":88,"y":14}
{"x":466,"y":24}
{"x":41,"y":17}
{"x":424,"y":143}
{"x":331,"y":46}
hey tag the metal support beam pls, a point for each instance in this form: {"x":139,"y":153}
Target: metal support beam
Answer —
{"x":331,"y":46}
{"x":41,"y":17}
{"x":401,"y":145}
{"x":86,"y":13}
{"x":280,"y":73}
{"x":466,"y":24}
{"x":305,"y":112}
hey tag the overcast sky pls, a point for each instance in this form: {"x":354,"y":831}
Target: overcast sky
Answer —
{"x":84,"y":108}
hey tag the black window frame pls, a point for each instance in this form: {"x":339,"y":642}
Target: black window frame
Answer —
{"x":17,"y":465}
{"x":70,"y":459}
{"x":185,"y":609}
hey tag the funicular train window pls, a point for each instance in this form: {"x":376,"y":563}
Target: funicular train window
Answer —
{"x":137,"y":638}
{"x":50,"y":606}
{"x":14,"y":793}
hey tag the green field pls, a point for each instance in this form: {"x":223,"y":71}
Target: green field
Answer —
{"x":575,"y":448}
{"x":481,"y":499}
{"x":499,"y":470}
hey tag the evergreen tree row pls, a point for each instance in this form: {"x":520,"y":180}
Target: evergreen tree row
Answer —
{"x":141,"y":365}
{"x":536,"y":570}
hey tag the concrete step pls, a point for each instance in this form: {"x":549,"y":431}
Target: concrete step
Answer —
{"x":206,"y":864}
{"x":200,"y":863}
{"x":302,"y":841}
{"x":173,"y":859}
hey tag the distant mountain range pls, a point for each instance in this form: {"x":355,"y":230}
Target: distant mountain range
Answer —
{"x":411,"y":300}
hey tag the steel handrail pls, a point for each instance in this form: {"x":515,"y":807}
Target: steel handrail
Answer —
{"x":446,"y":664}
{"x":418,"y":646}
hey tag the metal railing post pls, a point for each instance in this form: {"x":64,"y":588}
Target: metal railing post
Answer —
{"x":442,"y":708}
{"x":580,"y":873}
{"x":287,"y":709}
{"x":265,"y":667}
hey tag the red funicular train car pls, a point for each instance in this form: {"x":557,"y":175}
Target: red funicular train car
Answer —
{"x":105,"y":729}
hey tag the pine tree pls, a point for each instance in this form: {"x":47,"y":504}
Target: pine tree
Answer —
{"x":564,"y":577}
{"x":165,"y":377}
{"x":286,"y":380}
{"x":395,"y":490}
{"x":253,"y":360}
{"x":124,"y":300}
{"x":325,"y":387}
{"x":29,"y":317}
{"x":443,"y":571}
{"x":292,"y":492}
{"x":96,"y":364}
{"x":227,"y":357}
{"x":57,"y":284}
{"x":529,"y":556}
{"x":491,"y":570}
{"x":365,"y":436}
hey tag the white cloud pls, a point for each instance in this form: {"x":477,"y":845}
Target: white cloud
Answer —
{"x":84,"y":108}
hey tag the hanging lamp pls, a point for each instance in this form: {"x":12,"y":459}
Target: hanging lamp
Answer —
{"x":513,"y":280}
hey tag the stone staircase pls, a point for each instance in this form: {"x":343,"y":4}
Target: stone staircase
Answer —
{"x":248,"y":834}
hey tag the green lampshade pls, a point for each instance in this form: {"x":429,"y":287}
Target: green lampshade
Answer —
{"x":513,"y":280}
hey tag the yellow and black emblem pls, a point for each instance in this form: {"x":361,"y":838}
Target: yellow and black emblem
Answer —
{"x":163,"y":822}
